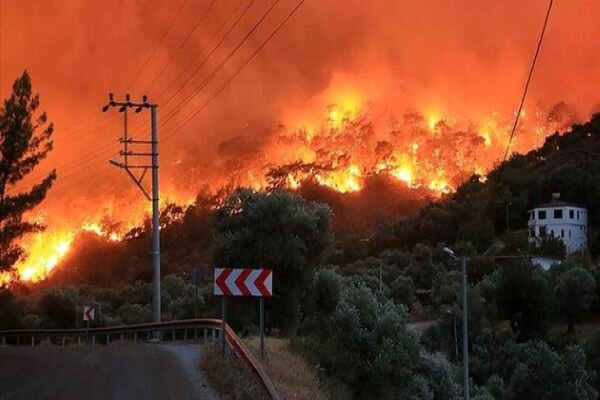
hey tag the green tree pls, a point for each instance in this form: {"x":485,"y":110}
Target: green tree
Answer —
{"x":25,"y":140}
{"x":526,"y":299}
{"x":364,"y":344}
{"x":276,"y":230}
{"x":575,"y":294}
{"x":544,"y":374}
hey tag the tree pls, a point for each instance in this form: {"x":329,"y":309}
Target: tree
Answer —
{"x":277,"y":230}
{"x":542,"y":373}
{"x":575,"y":294}
{"x":526,"y":299}
{"x":25,"y":140}
{"x":364,"y":344}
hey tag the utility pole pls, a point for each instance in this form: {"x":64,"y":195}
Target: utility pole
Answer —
{"x":465,"y":329}
{"x":465,"y":325}
{"x":138,"y":178}
{"x":508,"y":216}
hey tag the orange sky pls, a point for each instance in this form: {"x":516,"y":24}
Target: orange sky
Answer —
{"x":464,"y":59}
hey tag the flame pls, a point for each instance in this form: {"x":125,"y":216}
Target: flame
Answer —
{"x":45,"y":252}
{"x":344,"y":181}
{"x":339,"y":147}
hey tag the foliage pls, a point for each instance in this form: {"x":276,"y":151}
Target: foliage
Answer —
{"x":526,"y":299}
{"x":25,"y":140}
{"x":550,"y":246}
{"x":58,"y":307}
{"x":364,"y":344}
{"x":575,"y":293}
{"x":277,"y":230}
{"x":544,"y":374}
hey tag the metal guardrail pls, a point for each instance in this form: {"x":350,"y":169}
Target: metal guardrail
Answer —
{"x":213,"y":325}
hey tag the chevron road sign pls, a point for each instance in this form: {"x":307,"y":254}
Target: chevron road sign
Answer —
{"x":88,"y":313}
{"x":243,"y":282}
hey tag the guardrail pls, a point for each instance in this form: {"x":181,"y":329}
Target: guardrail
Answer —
{"x":90,"y":335}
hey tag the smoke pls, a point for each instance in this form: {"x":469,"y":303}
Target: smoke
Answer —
{"x":464,"y":62}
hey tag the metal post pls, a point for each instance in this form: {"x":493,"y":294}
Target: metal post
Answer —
{"x":508,"y":216}
{"x":93,"y":340}
{"x":155,"y":220}
{"x":455,"y":338}
{"x":135,"y":337}
{"x":380,"y":284}
{"x":223,"y":323}
{"x":465,"y":331}
{"x":262,"y":328}
{"x":32,"y":341}
{"x":196,"y":300}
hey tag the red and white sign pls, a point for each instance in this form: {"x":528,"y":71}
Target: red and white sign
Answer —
{"x":243,"y":282}
{"x":88,"y":313}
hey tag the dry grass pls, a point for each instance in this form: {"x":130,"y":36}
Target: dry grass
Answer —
{"x":230,"y":378}
{"x":291,"y":375}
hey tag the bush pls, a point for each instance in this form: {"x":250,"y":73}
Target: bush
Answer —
{"x":364,"y":345}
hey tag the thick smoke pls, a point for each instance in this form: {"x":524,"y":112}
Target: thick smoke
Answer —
{"x":462,"y":61}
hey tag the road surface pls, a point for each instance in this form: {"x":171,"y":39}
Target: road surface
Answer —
{"x":117,"y":372}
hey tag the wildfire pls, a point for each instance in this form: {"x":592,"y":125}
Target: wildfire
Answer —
{"x":339,"y":148}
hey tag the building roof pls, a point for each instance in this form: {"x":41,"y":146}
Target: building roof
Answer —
{"x":559,"y":203}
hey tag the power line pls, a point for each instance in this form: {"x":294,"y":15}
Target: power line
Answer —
{"x":209,"y":41}
{"x":107,"y":149}
{"x":238,"y":71}
{"x":162,"y":39}
{"x":189,"y":35}
{"x":94,"y":115}
{"x":205,"y":59}
{"x":218,"y":68}
{"x":537,"y":51}
{"x":110,"y":148}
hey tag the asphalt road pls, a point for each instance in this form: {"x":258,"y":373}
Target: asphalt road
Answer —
{"x":117,"y":372}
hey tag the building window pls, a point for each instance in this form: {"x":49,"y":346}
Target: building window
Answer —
{"x":543,"y":231}
{"x":558,"y":213}
{"x":569,"y":234}
{"x":571,"y":214}
{"x":577,"y":214}
{"x":542,"y":214}
{"x":562,"y":233}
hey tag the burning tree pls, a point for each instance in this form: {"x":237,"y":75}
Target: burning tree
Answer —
{"x":25,"y":140}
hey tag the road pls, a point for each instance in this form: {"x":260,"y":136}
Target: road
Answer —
{"x":117,"y":372}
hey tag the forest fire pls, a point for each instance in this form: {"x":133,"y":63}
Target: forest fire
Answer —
{"x":340,"y":152}
{"x":408,"y":96}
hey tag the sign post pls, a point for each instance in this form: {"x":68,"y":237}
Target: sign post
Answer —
{"x":89,"y":312}
{"x":246,"y":282}
{"x":196,"y":279}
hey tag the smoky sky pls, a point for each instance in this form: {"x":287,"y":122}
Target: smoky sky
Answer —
{"x":467,"y":57}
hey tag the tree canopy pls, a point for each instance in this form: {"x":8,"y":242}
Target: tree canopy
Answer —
{"x":25,"y":140}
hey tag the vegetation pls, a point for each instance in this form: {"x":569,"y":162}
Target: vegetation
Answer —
{"x":25,"y":140}
{"x":344,"y":298}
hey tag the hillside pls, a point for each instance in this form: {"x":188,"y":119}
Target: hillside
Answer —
{"x":385,"y":212}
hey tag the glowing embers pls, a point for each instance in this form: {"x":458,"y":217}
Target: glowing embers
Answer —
{"x":345,"y":180}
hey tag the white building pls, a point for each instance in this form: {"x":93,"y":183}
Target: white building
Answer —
{"x":559,"y":219}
